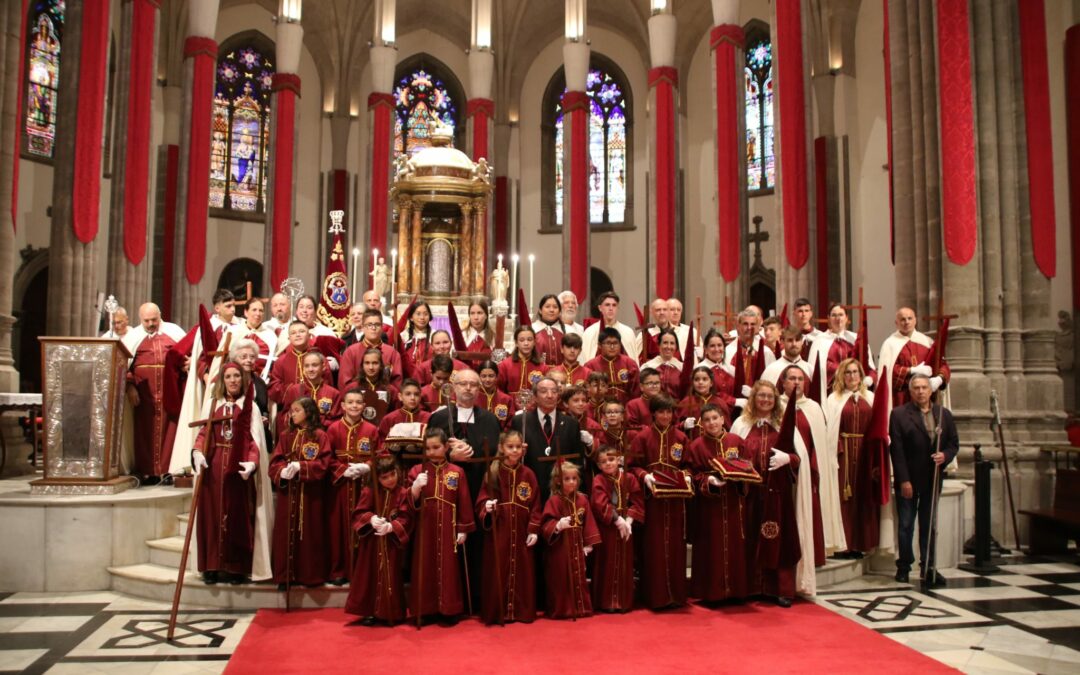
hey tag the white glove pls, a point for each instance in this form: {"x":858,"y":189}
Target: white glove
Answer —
{"x":357,"y":469}
{"x":740,"y":403}
{"x":419,"y":483}
{"x":936,"y":382}
{"x":650,"y":481}
{"x":586,"y":437}
{"x":689,"y":481}
{"x":489,"y":505}
{"x":332,"y":362}
{"x":290,"y":471}
{"x":623,"y":527}
{"x":198,"y":462}
{"x":377,"y":521}
{"x":716,"y":482}
{"x":530,"y":540}
{"x":778,"y":459}
{"x":460,"y":538}
{"x":519,"y":412}
{"x":246,"y":469}
{"x":562,"y":524}
{"x":745,"y":391}
{"x":689,"y":423}
{"x":868,"y":381}
{"x":386,"y":529}
{"x":588,"y":550}
{"x":921,"y":369}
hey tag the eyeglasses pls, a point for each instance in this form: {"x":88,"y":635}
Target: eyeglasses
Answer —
{"x":372,"y":325}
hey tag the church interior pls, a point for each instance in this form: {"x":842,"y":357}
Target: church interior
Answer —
{"x":869,"y":154}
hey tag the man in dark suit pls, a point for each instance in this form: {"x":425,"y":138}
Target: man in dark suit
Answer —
{"x":548,"y":433}
{"x":472,"y":430}
{"x":913,"y":431}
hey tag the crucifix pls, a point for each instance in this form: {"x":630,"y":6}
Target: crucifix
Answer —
{"x":862,"y":307}
{"x":941,"y":316}
{"x":728,"y":316}
{"x":757,"y":238}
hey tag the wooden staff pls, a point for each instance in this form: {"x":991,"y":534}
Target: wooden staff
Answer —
{"x":487,"y":459}
{"x":929,"y":571}
{"x":207,"y":425}
{"x":1000,"y":434}
{"x":288,"y":549}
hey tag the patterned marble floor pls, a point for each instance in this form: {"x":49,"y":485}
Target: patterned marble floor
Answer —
{"x":1023,"y":619}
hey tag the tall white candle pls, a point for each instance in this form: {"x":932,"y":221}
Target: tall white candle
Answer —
{"x":513,"y":284}
{"x":356,"y":271}
{"x":532,"y":260}
{"x":374,"y":263}
{"x":393,"y":277}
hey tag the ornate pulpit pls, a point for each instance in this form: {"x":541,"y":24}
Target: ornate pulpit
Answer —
{"x":441,"y":200}
{"x":83,"y":383}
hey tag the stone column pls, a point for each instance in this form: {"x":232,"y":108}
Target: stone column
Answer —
{"x":192,"y":200}
{"x":381,"y":115}
{"x":417,"y":252}
{"x":480,"y":246}
{"x":1072,"y":93}
{"x":406,"y":257}
{"x":575,"y":105}
{"x":77,"y":171}
{"x":11,"y":48}
{"x":128,"y":268}
{"x":480,"y":113}
{"x":284,"y":116}
{"x":663,"y":154}
{"x":727,"y":43}
{"x":466,"y":254}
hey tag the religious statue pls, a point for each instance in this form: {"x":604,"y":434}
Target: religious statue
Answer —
{"x":380,"y":278}
{"x":482,"y":171}
{"x":500,"y":285}
{"x":404,"y":168}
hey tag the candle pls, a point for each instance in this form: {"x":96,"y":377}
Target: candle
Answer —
{"x":532,"y":260}
{"x":374,"y":264}
{"x":393,"y":277}
{"x":355,"y":270}
{"x":513,"y":284}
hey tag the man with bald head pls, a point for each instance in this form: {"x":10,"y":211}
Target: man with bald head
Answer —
{"x":145,"y":392}
{"x":682,"y":330}
{"x":647,"y":346}
{"x":280,"y":312}
{"x":373,"y":301}
{"x":904,"y":353}
{"x":120,"y":324}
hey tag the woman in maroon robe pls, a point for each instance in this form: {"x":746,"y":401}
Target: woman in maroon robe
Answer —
{"x":508,"y":508}
{"x":548,"y":328}
{"x":225,"y":520}
{"x":668,"y":364}
{"x":523,"y":369}
{"x":353,"y":445}
{"x":847,"y":416}
{"x":382,"y":524}
{"x":719,"y":561}
{"x":617,"y":503}
{"x":661,"y":448}
{"x":570,"y":532}
{"x":702,"y":393}
{"x":298,"y":469}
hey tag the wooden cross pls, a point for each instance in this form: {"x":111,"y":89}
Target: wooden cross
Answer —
{"x":728,"y":316}
{"x":247,"y":298}
{"x":757,"y":239}
{"x":941,"y":315}
{"x":697,"y":316}
{"x":861,"y":306}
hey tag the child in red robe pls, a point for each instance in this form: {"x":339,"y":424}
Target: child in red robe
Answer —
{"x":617,"y":503}
{"x":410,"y":411}
{"x":382,"y":524}
{"x":614,"y":425}
{"x":596,"y":385}
{"x":373,"y":376}
{"x":435,"y":395}
{"x":353,"y":445}
{"x":508,"y":508}
{"x":577,"y":374}
{"x":496,"y":402}
{"x":298,"y":469}
{"x":620,"y":370}
{"x":702,"y":393}
{"x":312,"y":386}
{"x":570,"y":533}
{"x":443,"y":513}
{"x":523,"y":369}
{"x":576,"y":404}
{"x":637,"y":409}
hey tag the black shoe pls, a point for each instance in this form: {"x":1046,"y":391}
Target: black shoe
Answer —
{"x":150,"y":481}
{"x":449,"y":621}
{"x":935,"y":580}
{"x":367,"y":621}
{"x":340,"y":581}
{"x":281,"y":587}
{"x":210,"y":578}
{"x":856,"y":555}
{"x":238,"y":579}
{"x":783,"y":602}
{"x":901,"y":576}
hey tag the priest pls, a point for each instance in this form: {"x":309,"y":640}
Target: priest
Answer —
{"x":904,"y":354}
{"x":153,"y":431}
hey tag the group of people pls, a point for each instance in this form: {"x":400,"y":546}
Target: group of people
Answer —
{"x":568,"y":476}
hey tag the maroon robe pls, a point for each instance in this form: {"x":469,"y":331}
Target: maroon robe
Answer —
{"x":719,"y":562}
{"x":397,"y":417}
{"x":613,"y":561}
{"x":724,"y":384}
{"x":859,"y":506}
{"x":300,"y":533}
{"x":288,"y":369}
{"x":638,"y":413}
{"x":432,"y":399}
{"x":499,"y":404}
{"x":772,"y":532}
{"x":576,"y":374}
{"x":803,"y":426}
{"x":564,"y":560}
{"x":423,"y":371}
{"x":225,"y":520}
{"x":154,"y":431}
{"x":620,"y":438}
{"x":622,"y":374}
{"x":377,"y":587}
{"x":586,"y":423}
{"x":549,"y":344}
{"x":691,"y":407}
{"x":663,"y":576}
{"x":349,"y":444}
{"x":352,"y":361}
{"x":414,"y":351}
{"x":911,"y":354}
{"x":670,"y":379}
{"x":326,"y":400}
{"x":509,"y":587}
{"x":443,"y":511}
{"x":515,"y":375}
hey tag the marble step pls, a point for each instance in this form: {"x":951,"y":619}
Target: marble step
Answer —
{"x":839,"y":571}
{"x":166,"y":551}
{"x":157,"y":582}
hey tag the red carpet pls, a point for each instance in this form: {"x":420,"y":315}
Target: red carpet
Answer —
{"x":755,"y":638}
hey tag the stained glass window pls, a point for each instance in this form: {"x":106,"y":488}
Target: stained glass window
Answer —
{"x":240,"y":131}
{"x":421,"y":98}
{"x":760,"y":159}
{"x":607,"y":150}
{"x":45,"y":29}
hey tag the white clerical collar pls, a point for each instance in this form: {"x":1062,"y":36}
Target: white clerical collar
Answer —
{"x":466,"y":415}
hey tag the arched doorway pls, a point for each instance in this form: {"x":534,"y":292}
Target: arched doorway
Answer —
{"x":30,"y":320}
{"x":599,"y":282}
{"x":238,"y":273}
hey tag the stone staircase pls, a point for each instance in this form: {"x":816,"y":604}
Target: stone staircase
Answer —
{"x":155,"y":579}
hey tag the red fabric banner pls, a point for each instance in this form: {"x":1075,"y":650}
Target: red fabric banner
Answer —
{"x":726,"y":41}
{"x":821,"y":191}
{"x":17,"y":155}
{"x":576,"y":113}
{"x":340,"y":199}
{"x":90,"y":109}
{"x":137,"y":143}
{"x":284,"y":149}
{"x":1040,"y":147}
{"x":502,"y":208}
{"x":1072,"y":126}
{"x":663,"y":81}
{"x":793,"y":159}
{"x":888,"y":129}
{"x":172,"y":169}
{"x":203,"y":54}
{"x":382,"y":110}
{"x":480,"y":111}
{"x":958,"y":207}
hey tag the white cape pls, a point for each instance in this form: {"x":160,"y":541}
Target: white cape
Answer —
{"x":829,"y":472}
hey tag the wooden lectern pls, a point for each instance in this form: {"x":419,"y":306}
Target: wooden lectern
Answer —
{"x":83,"y":381}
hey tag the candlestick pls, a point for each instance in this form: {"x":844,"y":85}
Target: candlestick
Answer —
{"x":393,"y":276}
{"x":513,"y":284}
{"x":355,"y":270}
{"x":374,"y":265}
{"x":532,"y":260}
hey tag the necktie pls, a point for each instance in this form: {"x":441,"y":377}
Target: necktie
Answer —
{"x":547,"y":425}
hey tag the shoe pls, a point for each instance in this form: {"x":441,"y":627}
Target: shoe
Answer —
{"x":210,"y":578}
{"x":340,"y":581}
{"x":936,"y":580}
{"x":449,"y":621}
{"x":367,"y":621}
{"x":281,"y":587}
{"x":901,"y":576}
{"x":783,"y":602}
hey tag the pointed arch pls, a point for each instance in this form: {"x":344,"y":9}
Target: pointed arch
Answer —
{"x":424,"y":89}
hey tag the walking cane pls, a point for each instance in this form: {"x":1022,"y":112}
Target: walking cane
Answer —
{"x":929,"y":571}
